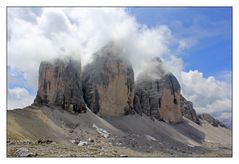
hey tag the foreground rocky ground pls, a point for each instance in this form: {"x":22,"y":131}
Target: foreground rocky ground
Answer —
{"x":32,"y":149}
{"x":52,"y":132}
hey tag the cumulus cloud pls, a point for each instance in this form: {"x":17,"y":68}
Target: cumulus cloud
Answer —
{"x":225,"y":76}
{"x":79,"y":32}
{"x":208,"y":95}
{"x":37,"y":34}
{"x":19,"y":98}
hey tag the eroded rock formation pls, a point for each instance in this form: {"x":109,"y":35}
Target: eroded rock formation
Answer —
{"x":108,"y":83}
{"x":60,"y":84}
{"x":157,"y":94}
{"x":107,"y":88}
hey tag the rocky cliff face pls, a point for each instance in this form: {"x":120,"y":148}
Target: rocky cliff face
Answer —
{"x":59,"y":84}
{"x":188,"y":110}
{"x":108,"y":83}
{"x":108,"y":88}
{"x":210,"y":120}
{"x":158,"y":96}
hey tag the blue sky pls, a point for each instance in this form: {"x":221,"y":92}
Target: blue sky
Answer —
{"x":211,"y":27}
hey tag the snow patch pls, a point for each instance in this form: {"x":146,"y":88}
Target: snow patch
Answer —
{"x":150,"y":138}
{"x":191,"y":145}
{"x":102,"y":132}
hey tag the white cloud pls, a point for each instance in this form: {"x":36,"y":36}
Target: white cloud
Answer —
{"x":186,"y":43}
{"x":225,"y":76}
{"x":175,"y":65}
{"x":19,"y":98}
{"x":38,"y":34}
{"x":208,"y":95}
{"x":58,"y":32}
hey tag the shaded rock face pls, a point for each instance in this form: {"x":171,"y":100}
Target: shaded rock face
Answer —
{"x":159,"y":98}
{"x":211,"y":120}
{"x":188,"y":110}
{"x":108,"y":83}
{"x":59,"y":84}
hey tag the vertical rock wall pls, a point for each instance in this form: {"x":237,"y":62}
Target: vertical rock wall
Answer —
{"x":108,"y":83}
{"x":157,"y":94}
{"x":59,"y":84}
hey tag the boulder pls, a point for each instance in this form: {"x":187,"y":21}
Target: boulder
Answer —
{"x":44,"y":141}
{"x":157,"y":94}
{"x":83,"y":143}
{"x":108,"y":83}
{"x":24,"y":152}
{"x":101,"y":131}
{"x":60,"y":85}
{"x":188,"y":110}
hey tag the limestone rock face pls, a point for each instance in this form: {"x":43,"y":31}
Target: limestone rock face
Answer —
{"x":59,"y":84}
{"x":210,"y":120}
{"x":188,"y":110}
{"x":159,"y":97}
{"x":108,"y":83}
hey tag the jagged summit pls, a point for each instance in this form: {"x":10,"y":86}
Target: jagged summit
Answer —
{"x":208,"y":118}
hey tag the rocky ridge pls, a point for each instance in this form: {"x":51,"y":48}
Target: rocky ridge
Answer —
{"x":207,"y":117}
{"x":188,"y":111}
{"x":108,"y":88}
